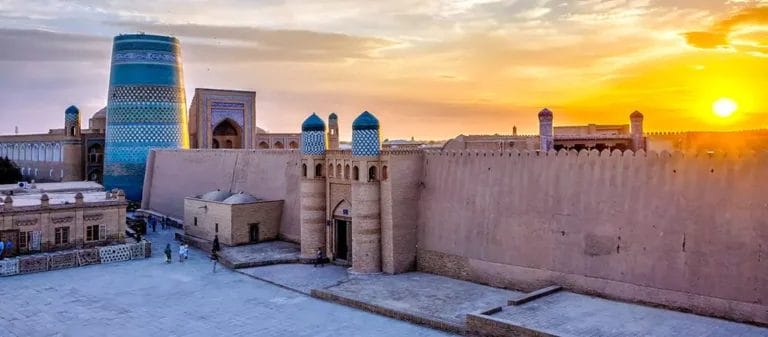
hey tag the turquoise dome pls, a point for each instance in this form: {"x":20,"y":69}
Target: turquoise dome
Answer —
{"x":366,"y":121}
{"x":313,"y":123}
{"x":333,"y":116}
{"x":72,"y":110}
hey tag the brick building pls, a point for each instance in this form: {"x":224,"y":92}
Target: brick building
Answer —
{"x":68,"y":154}
{"x":237,"y":218}
{"x":42,"y":222}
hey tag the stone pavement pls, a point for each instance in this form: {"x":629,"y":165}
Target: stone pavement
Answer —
{"x":572,"y":315}
{"x":299,"y":277}
{"x":151,"y":298}
{"x":433,"y":300}
{"x":260,"y":254}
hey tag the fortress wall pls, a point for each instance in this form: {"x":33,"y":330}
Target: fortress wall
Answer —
{"x":400,"y":209}
{"x":687,"y":232}
{"x":173,"y":175}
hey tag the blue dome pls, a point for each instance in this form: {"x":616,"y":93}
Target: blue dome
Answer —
{"x":333,"y":116}
{"x":366,"y":121}
{"x":72,"y":110}
{"x":313,"y":123}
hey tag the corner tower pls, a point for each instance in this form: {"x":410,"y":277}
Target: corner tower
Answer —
{"x":366,"y":195}
{"x":72,"y":121}
{"x":146,"y":107}
{"x":636,"y":129}
{"x":546,"y":131}
{"x":333,"y":131}
{"x":312,"y":187}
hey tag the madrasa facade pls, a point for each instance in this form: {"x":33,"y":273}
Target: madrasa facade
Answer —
{"x":70,"y":153}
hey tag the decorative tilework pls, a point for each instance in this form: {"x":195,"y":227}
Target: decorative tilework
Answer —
{"x":157,"y":57}
{"x":313,"y":142}
{"x":141,"y":94}
{"x":224,"y":110}
{"x":146,"y":108}
{"x":365,"y":142}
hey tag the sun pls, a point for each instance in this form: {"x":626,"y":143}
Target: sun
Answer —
{"x":724,"y":107}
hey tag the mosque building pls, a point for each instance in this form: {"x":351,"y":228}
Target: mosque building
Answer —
{"x":66,"y":154}
{"x":226,"y":119}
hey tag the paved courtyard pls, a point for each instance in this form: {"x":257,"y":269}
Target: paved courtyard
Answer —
{"x":150,"y":298}
{"x":572,"y":315}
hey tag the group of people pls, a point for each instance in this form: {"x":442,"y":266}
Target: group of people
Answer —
{"x":6,"y":248}
{"x":183,"y":252}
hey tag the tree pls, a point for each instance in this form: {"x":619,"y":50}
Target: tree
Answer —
{"x":9,"y":172}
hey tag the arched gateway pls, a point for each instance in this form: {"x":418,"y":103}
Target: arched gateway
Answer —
{"x":341,"y":232}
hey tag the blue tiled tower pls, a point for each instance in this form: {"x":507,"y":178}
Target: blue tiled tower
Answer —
{"x":366,"y":195}
{"x":313,"y":135}
{"x":146,"y":107}
{"x":72,"y":121}
{"x":365,"y":135}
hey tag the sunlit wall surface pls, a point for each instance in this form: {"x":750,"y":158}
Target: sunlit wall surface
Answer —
{"x":146,"y":107}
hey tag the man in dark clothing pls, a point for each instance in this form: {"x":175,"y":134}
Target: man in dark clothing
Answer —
{"x":215,"y":248}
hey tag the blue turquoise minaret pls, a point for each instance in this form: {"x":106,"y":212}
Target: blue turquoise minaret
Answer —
{"x":146,"y":107}
{"x":313,"y":135}
{"x":72,"y":121}
{"x":312,"y":186}
{"x":366,"y":195}
{"x":365,"y":135}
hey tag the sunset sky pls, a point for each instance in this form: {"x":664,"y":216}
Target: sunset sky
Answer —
{"x":430,"y":69}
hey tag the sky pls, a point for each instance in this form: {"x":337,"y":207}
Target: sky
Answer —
{"x":429,"y":69}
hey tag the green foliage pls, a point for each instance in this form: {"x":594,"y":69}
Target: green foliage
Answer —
{"x":9,"y":172}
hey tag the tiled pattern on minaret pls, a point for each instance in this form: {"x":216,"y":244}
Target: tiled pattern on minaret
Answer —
{"x":146,"y":107}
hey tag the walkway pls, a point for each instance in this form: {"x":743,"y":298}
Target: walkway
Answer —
{"x":151,"y":298}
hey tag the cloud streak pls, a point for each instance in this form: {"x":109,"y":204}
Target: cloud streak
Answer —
{"x":720,"y":34}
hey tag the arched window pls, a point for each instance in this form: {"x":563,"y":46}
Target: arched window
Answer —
{"x":372,"y":173}
{"x":338,"y":171}
{"x":384,"y":173}
{"x":319,"y":170}
{"x":293,"y":145}
{"x":263,"y":145}
{"x":228,"y":144}
{"x":346,"y":172}
{"x":95,"y":154}
{"x":48,"y":152}
{"x":57,"y":152}
{"x":215,"y":144}
{"x":355,"y":173}
{"x":304,"y":170}
{"x":279,"y":145}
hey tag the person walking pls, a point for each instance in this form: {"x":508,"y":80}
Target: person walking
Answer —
{"x":9,"y":248}
{"x":215,"y":248}
{"x":319,"y":258}
{"x":168,"y":253}
{"x":186,"y":251}
{"x":2,"y":250}
{"x":182,"y":252}
{"x":153,"y":223}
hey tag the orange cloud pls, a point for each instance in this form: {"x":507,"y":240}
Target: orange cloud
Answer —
{"x":719,"y":35}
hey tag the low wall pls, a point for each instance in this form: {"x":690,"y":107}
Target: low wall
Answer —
{"x":173,"y":175}
{"x":74,"y":258}
{"x":687,"y":232}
